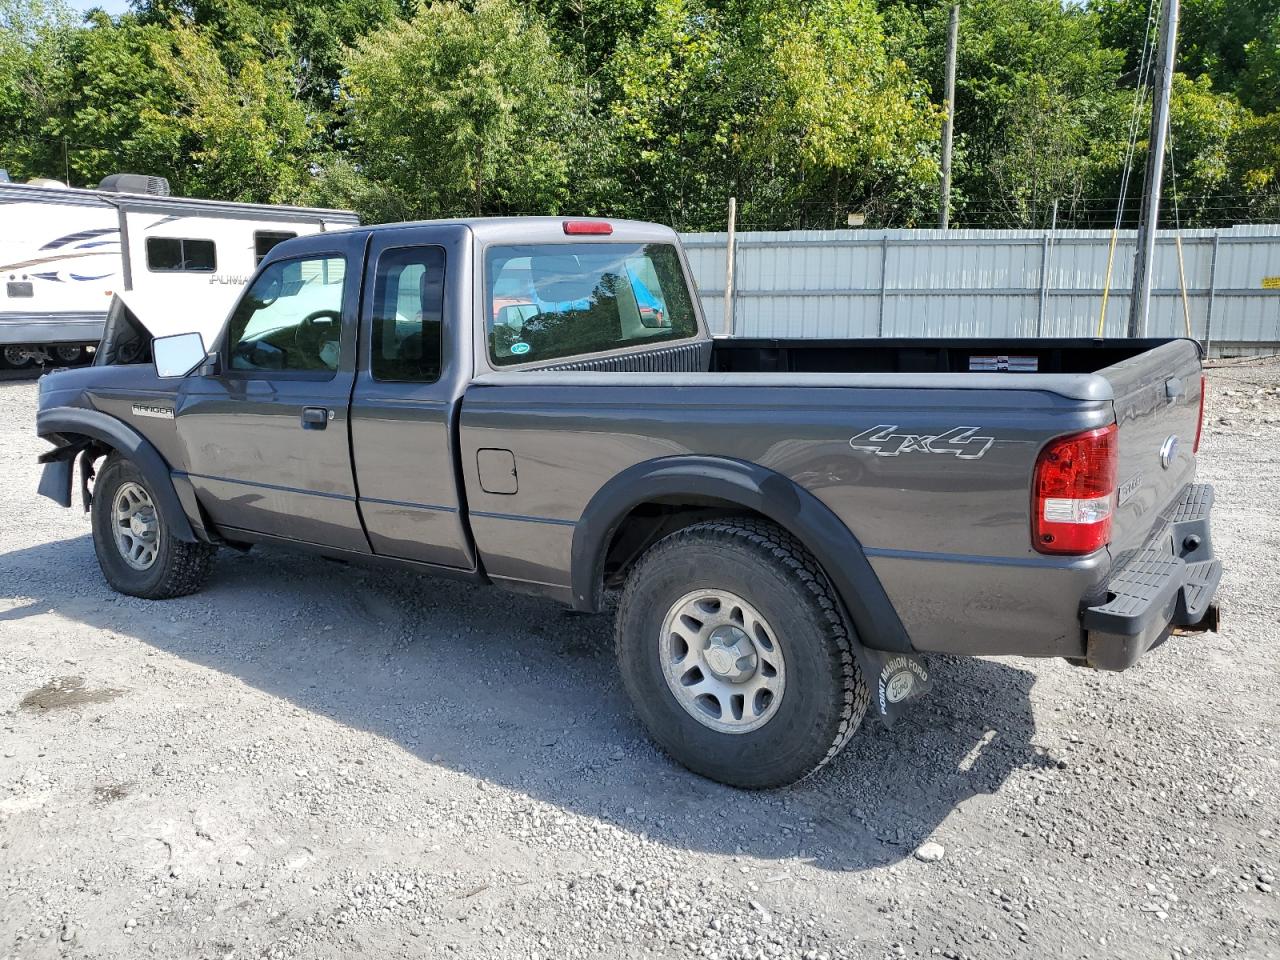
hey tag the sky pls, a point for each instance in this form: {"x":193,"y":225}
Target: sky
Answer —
{"x":111,"y":6}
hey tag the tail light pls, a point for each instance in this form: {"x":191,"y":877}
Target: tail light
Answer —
{"x":1073,"y":492}
{"x":1204,"y":386}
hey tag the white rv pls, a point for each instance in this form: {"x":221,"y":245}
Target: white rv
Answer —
{"x":65,"y":251}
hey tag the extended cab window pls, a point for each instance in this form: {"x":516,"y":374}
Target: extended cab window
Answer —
{"x":408,"y":307}
{"x":545,"y":301}
{"x":178,"y":254}
{"x":290,"y":318}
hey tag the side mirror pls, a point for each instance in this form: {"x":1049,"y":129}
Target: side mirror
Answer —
{"x":178,"y":355}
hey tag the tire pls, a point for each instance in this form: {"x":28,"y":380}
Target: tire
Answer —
{"x":771,"y":583}
{"x":68,"y":353}
{"x":9,"y":357}
{"x":175,"y":568}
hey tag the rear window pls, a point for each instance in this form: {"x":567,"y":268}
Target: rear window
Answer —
{"x":546,"y":301}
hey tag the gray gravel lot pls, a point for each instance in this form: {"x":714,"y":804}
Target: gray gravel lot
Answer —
{"x":315,"y":760}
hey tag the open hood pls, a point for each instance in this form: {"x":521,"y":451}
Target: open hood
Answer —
{"x":136,"y":317}
{"x":163,"y":314}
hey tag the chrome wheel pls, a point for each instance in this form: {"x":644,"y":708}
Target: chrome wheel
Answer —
{"x":722,"y":661}
{"x":135,"y":525}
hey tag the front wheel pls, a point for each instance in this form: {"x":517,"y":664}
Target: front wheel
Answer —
{"x":136,"y":548}
{"x":734,"y":650}
{"x":16,"y":357}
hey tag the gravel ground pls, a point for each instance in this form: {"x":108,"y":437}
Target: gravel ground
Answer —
{"x":312,"y":760}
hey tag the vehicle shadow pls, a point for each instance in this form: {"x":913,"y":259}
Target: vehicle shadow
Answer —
{"x":523,"y":693}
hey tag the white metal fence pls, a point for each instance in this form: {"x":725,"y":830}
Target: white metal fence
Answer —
{"x":997,"y":283}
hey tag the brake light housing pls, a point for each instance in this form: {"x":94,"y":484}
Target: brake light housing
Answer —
{"x":1074,"y":492}
{"x":1204,"y":386}
{"x":590,"y":228}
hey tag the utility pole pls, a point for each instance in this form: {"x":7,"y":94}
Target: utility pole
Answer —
{"x":1140,"y":302}
{"x":953,"y":32}
{"x":731,"y":255}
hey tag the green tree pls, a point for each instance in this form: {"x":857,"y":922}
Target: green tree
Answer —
{"x":35,"y":37}
{"x":1041,"y":115}
{"x":314,"y":33}
{"x":796,"y":108}
{"x":242,"y":136}
{"x":458,"y":111}
{"x":158,"y":99}
{"x":112,"y":81}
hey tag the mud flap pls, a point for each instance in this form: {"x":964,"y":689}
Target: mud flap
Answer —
{"x":55,"y":482}
{"x":55,"y":479}
{"x":896,"y":679}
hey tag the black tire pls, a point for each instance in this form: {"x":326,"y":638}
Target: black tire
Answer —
{"x":825,"y":697}
{"x":179,"y":568}
{"x":7,"y":363}
{"x":66,"y":354}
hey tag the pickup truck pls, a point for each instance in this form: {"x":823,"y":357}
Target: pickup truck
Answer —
{"x":786,"y":526}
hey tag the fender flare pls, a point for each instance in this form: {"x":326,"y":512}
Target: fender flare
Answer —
{"x":754,"y":487}
{"x":119,"y":435}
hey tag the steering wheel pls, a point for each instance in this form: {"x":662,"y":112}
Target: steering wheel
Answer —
{"x":309,"y":337}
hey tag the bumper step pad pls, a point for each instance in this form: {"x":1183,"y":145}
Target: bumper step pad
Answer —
{"x":1169,"y":583}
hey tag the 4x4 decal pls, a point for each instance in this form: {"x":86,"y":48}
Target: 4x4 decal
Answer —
{"x":885,"y":441}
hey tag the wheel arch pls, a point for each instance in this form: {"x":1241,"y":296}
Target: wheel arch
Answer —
{"x":668,"y":493}
{"x":71,"y":426}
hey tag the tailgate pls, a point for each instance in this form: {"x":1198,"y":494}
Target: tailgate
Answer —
{"x":1157,"y":406}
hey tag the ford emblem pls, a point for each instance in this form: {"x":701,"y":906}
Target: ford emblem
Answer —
{"x":1168,"y":450}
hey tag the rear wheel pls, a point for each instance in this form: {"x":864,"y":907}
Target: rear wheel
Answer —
{"x":135,"y":545}
{"x":736,"y":655}
{"x":68,"y":353}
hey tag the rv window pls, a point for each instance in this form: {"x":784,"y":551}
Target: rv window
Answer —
{"x":408,"y":307}
{"x":265,"y":240}
{"x":175,"y":254}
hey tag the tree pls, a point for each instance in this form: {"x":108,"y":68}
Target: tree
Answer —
{"x":458,"y":111}
{"x":796,"y":108}
{"x":243,"y":136}
{"x":1041,"y":114}
{"x":158,"y":99}
{"x":315,"y":33}
{"x":34,"y":60}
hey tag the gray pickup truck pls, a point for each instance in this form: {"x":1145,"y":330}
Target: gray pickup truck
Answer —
{"x":536,"y":404}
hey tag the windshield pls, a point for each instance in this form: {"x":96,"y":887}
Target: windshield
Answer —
{"x":545,"y":301}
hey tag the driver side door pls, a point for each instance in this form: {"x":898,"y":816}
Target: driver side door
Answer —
{"x":266,"y":437}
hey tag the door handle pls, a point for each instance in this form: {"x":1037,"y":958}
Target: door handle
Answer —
{"x":315,"y":418}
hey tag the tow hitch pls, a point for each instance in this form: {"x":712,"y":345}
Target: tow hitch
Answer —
{"x":1206,"y":624}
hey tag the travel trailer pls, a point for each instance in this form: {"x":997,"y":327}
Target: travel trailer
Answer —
{"x":64,"y":252}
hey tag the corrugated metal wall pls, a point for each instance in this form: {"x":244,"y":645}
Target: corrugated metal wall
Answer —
{"x":998,"y":283}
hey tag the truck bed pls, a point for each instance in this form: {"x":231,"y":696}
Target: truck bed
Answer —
{"x":923,"y":356}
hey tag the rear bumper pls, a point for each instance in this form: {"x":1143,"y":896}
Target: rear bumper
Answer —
{"x":1168,"y":584}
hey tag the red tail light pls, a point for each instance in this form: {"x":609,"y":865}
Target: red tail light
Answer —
{"x":1073,"y":492}
{"x":589,"y":227}
{"x":1204,"y":386}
